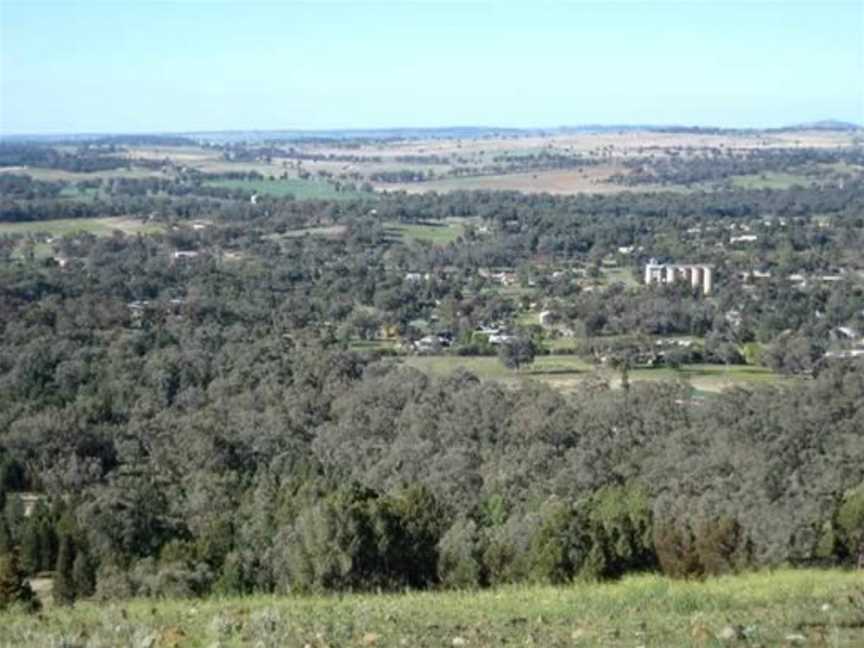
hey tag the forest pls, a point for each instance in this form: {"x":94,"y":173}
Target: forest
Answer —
{"x":222,"y":405}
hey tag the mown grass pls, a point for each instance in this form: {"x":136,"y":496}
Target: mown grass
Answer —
{"x":620,"y":275}
{"x":437,"y":233}
{"x":297,"y":187}
{"x":566,"y":372}
{"x":777,"y":608}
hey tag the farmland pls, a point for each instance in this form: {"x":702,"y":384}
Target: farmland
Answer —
{"x":300,"y":189}
{"x":783,"y":607}
{"x":97,"y":226}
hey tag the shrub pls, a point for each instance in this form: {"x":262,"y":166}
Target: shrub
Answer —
{"x":558,"y":549}
{"x":14,"y":588}
{"x":850,"y":525}
{"x":618,"y":525}
{"x":708,"y":547}
{"x":460,"y":556}
{"x":113,"y":583}
{"x":330,"y":545}
{"x":676,"y":550}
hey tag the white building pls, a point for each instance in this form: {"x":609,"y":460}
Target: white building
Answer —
{"x":699,"y":276}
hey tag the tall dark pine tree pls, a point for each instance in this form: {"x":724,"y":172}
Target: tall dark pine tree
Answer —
{"x":64,"y":591}
{"x":84,"y":573}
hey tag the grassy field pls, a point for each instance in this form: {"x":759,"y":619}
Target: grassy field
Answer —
{"x":98,"y":226}
{"x":327,"y":231}
{"x":62,"y":227}
{"x":780,"y":608}
{"x":567,"y":372}
{"x":72,"y":176}
{"x":590,"y":180}
{"x":771,"y":180}
{"x":436,"y":233}
{"x":300,"y":189}
{"x":620,"y":275}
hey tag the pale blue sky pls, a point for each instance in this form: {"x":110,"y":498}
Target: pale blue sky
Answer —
{"x":126,"y":66}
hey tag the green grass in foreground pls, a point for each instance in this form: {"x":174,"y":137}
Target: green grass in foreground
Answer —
{"x":780,"y":608}
{"x":297,"y":187}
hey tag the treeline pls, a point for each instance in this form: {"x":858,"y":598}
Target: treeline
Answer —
{"x":83,"y":160}
{"x":716,"y":165}
{"x":188,"y":464}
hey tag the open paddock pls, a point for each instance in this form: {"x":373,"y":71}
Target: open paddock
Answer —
{"x":300,"y":189}
{"x":97,"y":226}
{"x":437,"y":233}
{"x":567,"y":373}
{"x":567,"y":181}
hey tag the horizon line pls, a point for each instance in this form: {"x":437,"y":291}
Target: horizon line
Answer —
{"x":819,"y":124}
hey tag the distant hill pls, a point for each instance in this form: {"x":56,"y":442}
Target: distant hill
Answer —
{"x":826,"y":125}
{"x":379,"y":134}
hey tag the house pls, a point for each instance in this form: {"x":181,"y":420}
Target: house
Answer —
{"x":184,"y":254}
{"x":433,"y":343}
{"x":844,"y":333}
{"x":755,"y":274}
{"x":839,"y":355}
{"x":743,"y":238}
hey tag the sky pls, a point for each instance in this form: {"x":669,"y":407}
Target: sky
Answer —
{"x":127,"y":66}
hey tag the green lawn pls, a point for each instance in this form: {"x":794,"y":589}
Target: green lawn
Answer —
{"x":300,"y":189}
{"x":84,"y":195}
{"x":566,"y":372}
{"x":62,"y":227}
{"x":326,"y":231}
{"x":439,"y":233}
{"x":98,"y":226}
{"x":491,"y":367}
{"x":780,"y":608}
{"x":620,"y":275}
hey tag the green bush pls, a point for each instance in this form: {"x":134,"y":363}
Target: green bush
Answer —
{"x":618,"y":525}
{"x":850,"y":525}
{"x":14,"y":588}
{"x":557,"y":549}
{"x":706,"y":547}
{"x":460,"y":556}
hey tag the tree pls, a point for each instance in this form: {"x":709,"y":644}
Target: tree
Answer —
{"x":84,"y":573}
{"x":14,"y":587}
{"x":64,"y":591}
{"x":516,"y":352}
